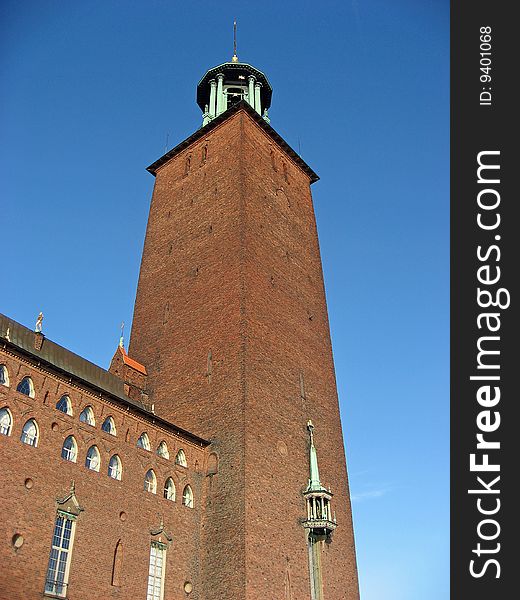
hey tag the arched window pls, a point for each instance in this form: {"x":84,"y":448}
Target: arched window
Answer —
{"x":150,"y":481}
{"x":64,"y":405}
{"x":169,"y":489}
{"x":187,"y":497}
{"x":69,"y":450}
{"x":180,"y":459}
{"x":115,"y":468}
{"x":109,"y":426}
{"x":93,"y":459}
{"x":87,"y":416}
{"x":6,"y":421}
{"x":4,"y":375}
{"x":26,"y":387}
{"x":162,"y":450}
{"x":30,"y":433}
{"x":144,"y":441}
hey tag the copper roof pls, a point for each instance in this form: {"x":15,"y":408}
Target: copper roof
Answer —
{"x":17,"y":337}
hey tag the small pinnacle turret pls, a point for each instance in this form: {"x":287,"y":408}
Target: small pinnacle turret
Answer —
{"x":320,"y":521}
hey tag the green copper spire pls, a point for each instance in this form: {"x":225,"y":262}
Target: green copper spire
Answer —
{"x":314,"y":480}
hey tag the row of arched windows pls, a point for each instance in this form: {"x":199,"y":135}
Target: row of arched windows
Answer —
{"x":69,"y":451}
{"x":25,"y":386}
{"x":162,"y":450}
{"x":169,"y":491}
{"x":64,"y":405}
{"x":30,"y":432}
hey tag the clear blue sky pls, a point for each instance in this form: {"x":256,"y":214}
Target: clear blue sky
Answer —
{"x":90,"y":91}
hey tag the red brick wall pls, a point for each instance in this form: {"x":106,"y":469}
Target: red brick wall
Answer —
{"x":288,"y":335}
{"x":230,"y":311}
{"x":32,"y":512}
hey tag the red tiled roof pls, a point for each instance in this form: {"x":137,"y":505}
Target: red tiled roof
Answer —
{"x":131,"y":362}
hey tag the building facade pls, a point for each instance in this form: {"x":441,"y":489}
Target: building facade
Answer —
{"x":189,"y":469}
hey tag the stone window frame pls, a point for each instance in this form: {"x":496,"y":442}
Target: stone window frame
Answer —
{"x":111,"y":428}
{"x":60,"y":547}
{"x":87,"y":416}
{"x":180,"y":458}
{"x":170,"y":489}
{"x":143,"y":442}
{"x":20,"y":387}
{"x":188,"y":497}
{"x":4,"y":375}
{"x":116,"y":473}
{"x":154,"y":591}
{"x":6,"y":421}
{"x":164,"y":453}
{"x":70,"y":454}
{"x":30,"y":440}
{"x":65,"y":402}
{"x":150,"y":481}
{"x":88,"y":459}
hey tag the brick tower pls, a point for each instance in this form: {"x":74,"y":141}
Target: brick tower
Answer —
{"x":231,"y":323}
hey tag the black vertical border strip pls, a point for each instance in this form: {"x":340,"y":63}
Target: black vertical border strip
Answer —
{"x":474,"y":129}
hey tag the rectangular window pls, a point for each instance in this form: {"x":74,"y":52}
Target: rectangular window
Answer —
{"x":59,"y":561}
{"x":156,"y":572}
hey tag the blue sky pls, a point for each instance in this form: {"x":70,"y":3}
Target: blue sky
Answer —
{"x":91,"y":90}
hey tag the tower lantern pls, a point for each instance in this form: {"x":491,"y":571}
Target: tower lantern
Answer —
{"x":229,"y":83}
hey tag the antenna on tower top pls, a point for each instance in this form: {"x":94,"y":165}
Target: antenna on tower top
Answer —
{"x":235,"y":57}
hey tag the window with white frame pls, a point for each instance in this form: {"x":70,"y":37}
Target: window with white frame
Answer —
{"x":64,"y":405}
{"x":69,"y":450}
{"x":30,"y":433}
{"x":180,"y":459}
{"x":115,"y":468}
{"x":93,"y":459}
{"x":87,"y":416}
{"x":109,"y":426}
{"x":26,"y":387}
{"x":59,"y":560}
{"x":187,"y":497}
{"x":6,"y":421}
{"x":150,"y":481}
{"x":4,"y":375}
{"x":169,"y":489}
{"x":155,"y":589}
{"x":162,"y":450}
{"x":144,"y":441}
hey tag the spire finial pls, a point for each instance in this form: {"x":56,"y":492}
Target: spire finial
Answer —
{"x":314,"y":479}
{"x":235,"y":57}
{"x":122,"y":338}
{"x":310,"y":427}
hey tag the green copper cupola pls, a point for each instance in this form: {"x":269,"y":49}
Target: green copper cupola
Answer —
{"x":320,"y":522}
{"x":229,"y":83}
